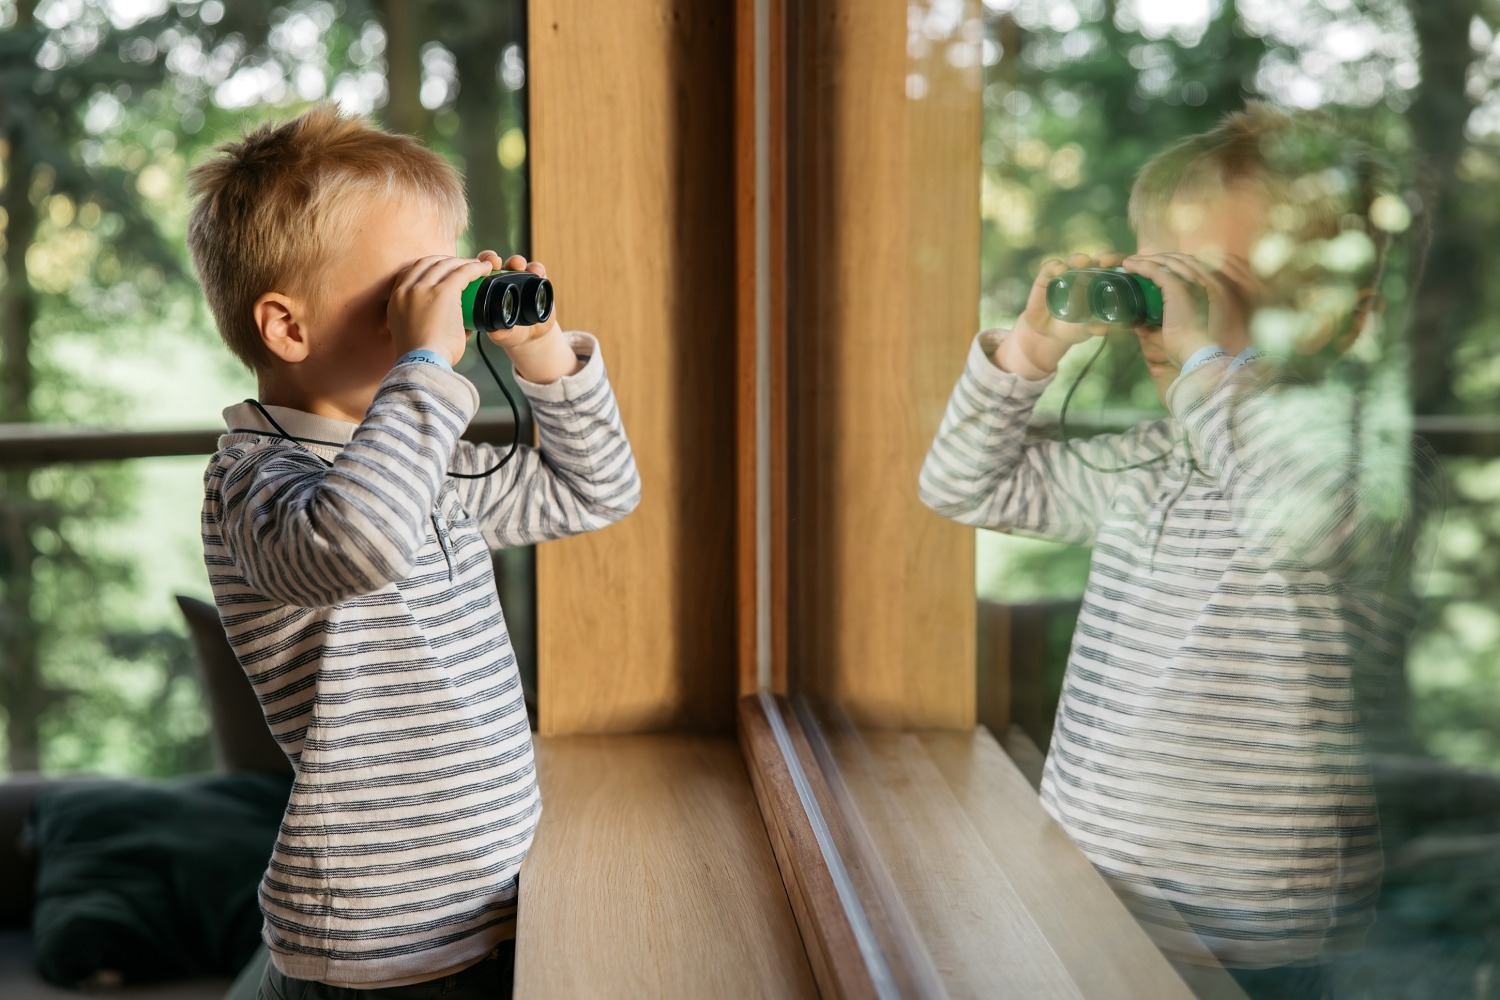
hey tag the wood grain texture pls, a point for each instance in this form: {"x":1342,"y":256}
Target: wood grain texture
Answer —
{"x":1002,"y":899}
{"x":1105,"y":951}
{"x":631,"y":144}
{"x":885,"y":253}
{"x":969,"y":916}
{"x":652,"y":876}
{"x":752,"y":314}
{"x":747,"y":313}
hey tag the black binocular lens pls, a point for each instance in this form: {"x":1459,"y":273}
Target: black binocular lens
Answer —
{"x":496,"y":306}
{"x":541,"y":300}
{"x":1067,"y":298}
{"x":505,"y":299}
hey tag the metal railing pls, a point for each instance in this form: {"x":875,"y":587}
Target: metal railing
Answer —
{"x":49,"y":444}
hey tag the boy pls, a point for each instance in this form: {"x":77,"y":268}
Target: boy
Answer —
{"x":347,"y":529}
{"x":1249,"y":553}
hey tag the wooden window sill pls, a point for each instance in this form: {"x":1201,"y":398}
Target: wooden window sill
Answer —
{"x":1002,"y":900}
{"x":652,"y":876}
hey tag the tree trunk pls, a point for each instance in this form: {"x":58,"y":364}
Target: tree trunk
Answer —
{"x":21,"y":690}
{"x":1445,"y":302}
{"x":403,"y":67}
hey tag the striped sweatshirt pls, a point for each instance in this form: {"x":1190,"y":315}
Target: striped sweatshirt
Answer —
{"x":1209,"y":754}
{"x":353,"y":578}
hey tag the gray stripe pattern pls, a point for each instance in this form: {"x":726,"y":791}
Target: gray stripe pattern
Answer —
{"x":355,"y":584}
{"x":1209,"y":754}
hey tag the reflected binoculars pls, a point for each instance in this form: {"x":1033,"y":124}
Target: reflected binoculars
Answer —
{"x":504,"y":299}
{"x":1106,"y":295}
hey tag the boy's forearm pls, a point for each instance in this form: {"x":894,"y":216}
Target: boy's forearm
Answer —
{"x":1023,"y":353}
{"x":581,"y":475}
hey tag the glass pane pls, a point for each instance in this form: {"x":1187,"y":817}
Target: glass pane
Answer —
{"x":105,"y":326}
{"x":1249,"y":675}
{"x":1237,"y":608}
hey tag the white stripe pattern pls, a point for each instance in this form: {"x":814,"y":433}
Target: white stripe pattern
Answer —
{"x":354,"y":581}
{"x":1209,"y":755}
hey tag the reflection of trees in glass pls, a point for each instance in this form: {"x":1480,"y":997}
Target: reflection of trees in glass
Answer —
{"x":101,"y":111}
{"x":1079,"y":93}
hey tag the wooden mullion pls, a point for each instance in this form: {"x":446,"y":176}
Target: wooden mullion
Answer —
{"x":828,"y":933}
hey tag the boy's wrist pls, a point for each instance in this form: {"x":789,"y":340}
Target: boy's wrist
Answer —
{"x":1027,"y":354}
{"x":425,"y":355}
{"x":1184,"y":348}
{"x":544,"y":359}
{"x":450,"y":349}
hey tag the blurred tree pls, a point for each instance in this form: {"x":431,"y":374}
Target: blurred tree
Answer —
{"x":100,"y":113}
{"x":1446,"y":306}
{"x":51,"y":78}
{"x":47,"y":81}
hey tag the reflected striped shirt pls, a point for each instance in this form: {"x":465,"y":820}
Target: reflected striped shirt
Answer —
{"x":354,"y":581}
{"x":1209,"y":755}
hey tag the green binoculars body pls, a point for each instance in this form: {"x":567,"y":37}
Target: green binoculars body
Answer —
{"x":503,"y":299}
{"x":1106,"y":295}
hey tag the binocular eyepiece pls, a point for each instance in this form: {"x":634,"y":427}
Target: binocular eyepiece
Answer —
{"x":505,"y":299}
{"x":1104,"y":294}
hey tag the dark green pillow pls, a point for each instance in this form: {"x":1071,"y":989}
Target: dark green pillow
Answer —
{"x":141,"y":881}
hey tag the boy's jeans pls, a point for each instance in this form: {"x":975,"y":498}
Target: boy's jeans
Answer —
{"x":487,"y":980}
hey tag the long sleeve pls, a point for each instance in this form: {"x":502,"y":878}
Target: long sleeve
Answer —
{"x":580,"y":477}
{"x":314,"y":533}
{"x":1315,"y":475}
{"x":981,"y":471}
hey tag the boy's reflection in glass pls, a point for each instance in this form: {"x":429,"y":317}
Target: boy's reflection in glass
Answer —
{"x":1251,"y":552}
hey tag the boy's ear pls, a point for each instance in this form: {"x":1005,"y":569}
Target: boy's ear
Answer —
{"x":280,"y":320}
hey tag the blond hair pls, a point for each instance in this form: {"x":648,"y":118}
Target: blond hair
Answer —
{"x":1318,"y":181}
{"x":268,"y":209}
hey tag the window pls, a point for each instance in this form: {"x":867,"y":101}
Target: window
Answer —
{"x":106,"y":328}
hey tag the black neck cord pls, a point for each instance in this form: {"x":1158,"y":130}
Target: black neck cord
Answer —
{"x":1062,"y":423}
{"x":515,"y":416}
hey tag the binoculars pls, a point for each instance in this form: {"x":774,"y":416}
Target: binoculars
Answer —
{"x":503,"y":299}
{"x":1104,"y":294}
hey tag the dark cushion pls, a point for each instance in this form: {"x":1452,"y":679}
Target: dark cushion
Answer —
{"x":17,"y":859}
{"x":242,"y":741}
{"x":138,"y":881}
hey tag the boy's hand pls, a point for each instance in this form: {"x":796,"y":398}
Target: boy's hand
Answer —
{"x":540,"y":353}
{"x":518,"y":335}
{"x":1202,"y":306}
{"x":1039,"y":340}
{"x":425,"y":311}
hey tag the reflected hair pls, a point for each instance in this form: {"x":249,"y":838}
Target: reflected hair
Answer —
{"x":1318,"y":179}
{"x":270,"y":208}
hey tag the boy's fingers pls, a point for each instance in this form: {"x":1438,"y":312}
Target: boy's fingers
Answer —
{"x":1194,"y":273}
{"x":1050,"y":270}
{"x":415,"y":271}
{"x":467,"y":270}
{"x":1173,"y":289}
{"x":536,"y":268}
{"x":515,"y":263}
{"x":433,"y":271}
{"x":1110,"y":258}
{"x":1080,"y":260}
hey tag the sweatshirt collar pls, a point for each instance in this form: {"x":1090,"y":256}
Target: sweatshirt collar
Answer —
{"x":323,"y":436}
